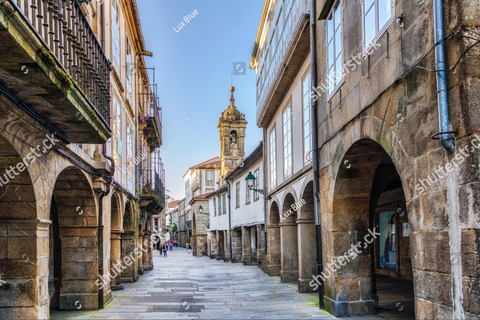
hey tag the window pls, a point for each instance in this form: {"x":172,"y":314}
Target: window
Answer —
{"x":237,"y":195}
{"x":247,"y":194}
{"x":287,"y":141}
{"x":129,"y":67}
{"x":129,"y":148}
{"x":376,"y":15}
{"x":210,"y":176}
{"x":307,"y":123}
{"x":220,"y":205}
{"x":273,"y":160}
{"x":224,"y":204}
{"x":115,"y":33}
{"x":334,"y":48}
{"x":214,"y":207}
{"x":256,"y":194}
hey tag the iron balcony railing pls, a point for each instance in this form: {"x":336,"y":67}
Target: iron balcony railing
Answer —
{"x":63,"y":28}
{"x":272,"y":65}
{"x":151,"y":184}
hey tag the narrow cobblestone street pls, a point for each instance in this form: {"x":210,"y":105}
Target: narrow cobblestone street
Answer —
{"x":185,"y":287}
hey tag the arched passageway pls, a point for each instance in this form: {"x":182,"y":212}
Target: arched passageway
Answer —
{"x":128,"y":242}
{"x":115,"y":242}
{"x":289,"y":240}
{"x":307,"y":246}
{"x":74,"y":241}
{"x":370,"y":235}
{"x":273,"y":238}
{"x":23,"y":241}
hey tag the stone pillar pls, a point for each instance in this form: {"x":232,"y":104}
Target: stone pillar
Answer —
{"x":128,"y":247}
{"x":289,"y":249}
{"x":214,"y":244}
{"x":226,"y":240}
{"x":236,"y":245}
{"x":24,"y":266}
{"x":146,"y":252}
{"x":307,"y":254}
{"x":141,"y":254}
{"x":273,"y":251}
{"x":115,"y":258}
{"x":261,"y":257}
{"x":246,"y":245}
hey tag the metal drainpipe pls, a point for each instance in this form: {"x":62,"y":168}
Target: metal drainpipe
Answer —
{"x":265,"y":190}
{"x":101,"y":227}
{"x":316,"y":194}
{"x":446,"y":138}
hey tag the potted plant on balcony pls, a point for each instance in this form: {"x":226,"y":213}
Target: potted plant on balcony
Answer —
{"x":147,"y":187}
{"x":142,"y":119}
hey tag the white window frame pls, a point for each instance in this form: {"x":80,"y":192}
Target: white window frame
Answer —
{"x":256,"y":194}
{"x":224,"y":204}
{"x":237,"y":195}
{"x":247,"y":194}
{"x":306,"y":117}
{"x":287,"y":142}
{"x":378,"y":31}
{"x":215,"y":206}
{"x":273,"y":158}
{"x":337,"y":6}
{"x":116,"y":35}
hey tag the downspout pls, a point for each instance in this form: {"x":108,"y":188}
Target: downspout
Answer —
{"x":230,"y":222}
{"x":445,"y":137}
{"x":265,"y":191}
{"x":101,"y":227}
{"x":316,"y":188}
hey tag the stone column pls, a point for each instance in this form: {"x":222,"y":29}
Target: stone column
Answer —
{"x":115,"y":258}
{"x":141,"y":254}
{"x":307,"y":254}
{"x":289,"y":249}
{"x":24,"y":293}
{"x":236,"y":245}
{"x":146,"y":254}
{"x":246,"y":245}
{"x":128,"y":247}
{"x":274,"y":251}
{"x":226,"y":240}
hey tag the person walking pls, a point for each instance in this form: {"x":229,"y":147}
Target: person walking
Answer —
{"x":189,"y":248}
{"x":171,"y":246}
{"x":164,"y":248}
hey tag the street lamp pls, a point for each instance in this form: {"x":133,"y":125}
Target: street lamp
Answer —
{"x":251,"y":183}
{"x":200,"y":210}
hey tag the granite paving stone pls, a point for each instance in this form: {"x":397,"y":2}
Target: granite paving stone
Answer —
{"x":182,"y":286}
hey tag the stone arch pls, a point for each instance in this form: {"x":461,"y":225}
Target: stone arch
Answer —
{"x":115,"y":240}
{"x":128,"y":242}
{"x":307,"y":246}
{"x":273,"y":238}
{"x":289,"y":239}
{"x":288,"y":191}
{"x":75,"y":225}
{"x":23,"y":240}
{"x":362,"y":176}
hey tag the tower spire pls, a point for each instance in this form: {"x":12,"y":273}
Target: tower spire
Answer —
{"x":232,"y":99}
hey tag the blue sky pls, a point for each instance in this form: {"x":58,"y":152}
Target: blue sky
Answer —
{"x":193,"y":72}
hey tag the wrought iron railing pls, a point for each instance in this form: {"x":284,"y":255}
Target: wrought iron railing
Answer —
{"x":65,"y":31}
{"x":150,"y":183}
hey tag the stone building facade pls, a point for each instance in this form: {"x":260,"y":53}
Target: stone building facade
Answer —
{"x":381,"y":96}
{"x":282,"y":59}
{"x":70,"y":215}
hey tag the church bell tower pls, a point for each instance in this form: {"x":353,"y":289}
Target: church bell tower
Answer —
{"x":232,"y":125}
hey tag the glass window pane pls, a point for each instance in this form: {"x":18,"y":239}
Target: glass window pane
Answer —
{"x":367,"y":5}
{"x":384,"y":12}
{"x":369,"y":27}
{"x":330,"y":28}
{"x":337,"y":18}
{"x":338,"y":44}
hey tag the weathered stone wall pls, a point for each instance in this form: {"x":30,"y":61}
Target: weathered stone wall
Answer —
{"x":368,"y":119}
